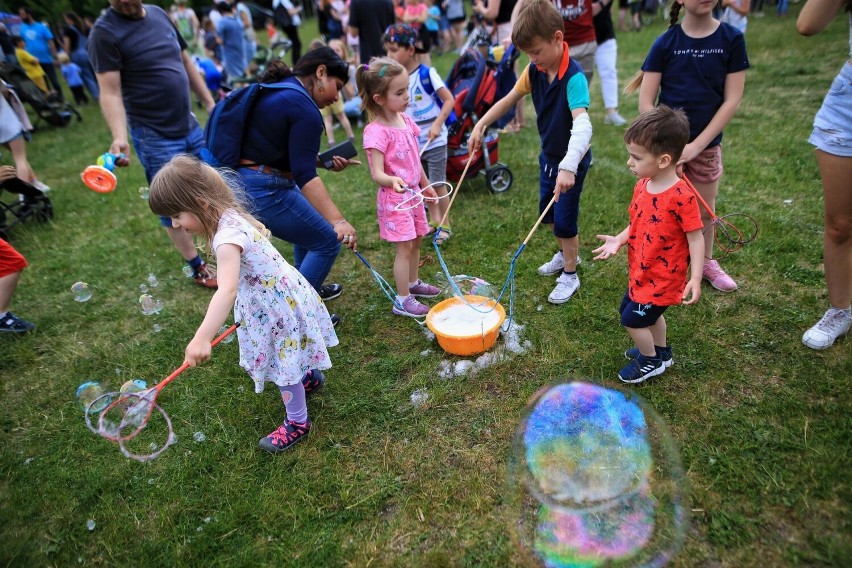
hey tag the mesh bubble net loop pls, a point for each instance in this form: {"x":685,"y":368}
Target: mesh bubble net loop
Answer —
{"x":728,"y":236}
{"x":135,"y":410}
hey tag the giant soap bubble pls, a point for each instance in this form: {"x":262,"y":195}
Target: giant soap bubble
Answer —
{"x":595,"y":480}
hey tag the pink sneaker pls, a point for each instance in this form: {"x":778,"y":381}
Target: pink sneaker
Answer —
{"x":423,"y":290}
{"x":410,"y":307}
{"x":717,"y":277}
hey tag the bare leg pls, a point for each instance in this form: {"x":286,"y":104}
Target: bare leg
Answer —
{"x":708,"y":191}
{"x":836,"y":175}
{"x":8,"y":284}
{"x":328,"y":120}
{"x":19,"y":153}
{"x":344,"y":122}
{"x":183,"y":242}
{"x":643,"y":339}
{"x":658,"y":331}
{"x":407,"y":252}
{"x":570,"y":248}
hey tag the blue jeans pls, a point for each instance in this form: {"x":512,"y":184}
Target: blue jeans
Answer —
{"x":278,"y":203}
{"x":81,"y":58}
{"x":154,"y":150}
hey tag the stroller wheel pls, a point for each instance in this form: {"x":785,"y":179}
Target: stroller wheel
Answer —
{"x":498,"y":179}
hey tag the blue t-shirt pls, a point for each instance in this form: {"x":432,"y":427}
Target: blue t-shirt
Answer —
{"x":37,"y":37}
{"x":694,"y":72}
{"x":285,"y":121}
{"x":233,"y":46}
{"x":71,"y":72}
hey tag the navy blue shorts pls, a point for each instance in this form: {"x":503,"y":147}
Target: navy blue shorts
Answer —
{"x":563,"y":215}
{"x":639,"y":315}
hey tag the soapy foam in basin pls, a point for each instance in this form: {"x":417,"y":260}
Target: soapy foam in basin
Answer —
{"x":462,"y":320}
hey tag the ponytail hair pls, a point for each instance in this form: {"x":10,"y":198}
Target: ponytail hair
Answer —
{"x":307,"y":66}
{"x":674,"y":13}
{"x":374,"y":79}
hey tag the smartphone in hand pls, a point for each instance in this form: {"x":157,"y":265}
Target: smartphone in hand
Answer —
{"x":344,"y":150}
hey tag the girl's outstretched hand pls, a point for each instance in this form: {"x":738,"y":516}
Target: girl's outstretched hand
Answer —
{"x":610,"y":247}
{"x":197,"y":352}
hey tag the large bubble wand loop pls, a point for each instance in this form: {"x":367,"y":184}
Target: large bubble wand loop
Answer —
{"x":135,"y":408}
{"x":729,"y":238}
{"x":416,"y":196}
{"x":510,"y":277}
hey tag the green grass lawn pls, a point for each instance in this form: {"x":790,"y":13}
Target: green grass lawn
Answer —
{"x":762,"y":423}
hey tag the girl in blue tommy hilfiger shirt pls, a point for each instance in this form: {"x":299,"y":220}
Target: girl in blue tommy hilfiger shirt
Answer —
{"x":699,"y":66}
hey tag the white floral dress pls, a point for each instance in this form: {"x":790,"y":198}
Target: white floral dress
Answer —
{"x":285,"y":329}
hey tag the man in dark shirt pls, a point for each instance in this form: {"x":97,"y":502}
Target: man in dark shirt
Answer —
{"x":368,"y":19}
{"x":145,"y":76}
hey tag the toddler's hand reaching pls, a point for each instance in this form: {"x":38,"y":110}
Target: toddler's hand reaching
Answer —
{"x":692,"y":287}
{"x":610,"y":247}
{"x":197,"y":352}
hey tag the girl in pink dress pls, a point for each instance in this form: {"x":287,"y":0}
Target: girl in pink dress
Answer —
{"x":390,"y":140}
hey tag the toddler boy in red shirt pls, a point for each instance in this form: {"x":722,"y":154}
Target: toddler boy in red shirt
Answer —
{"x":663,"y":239}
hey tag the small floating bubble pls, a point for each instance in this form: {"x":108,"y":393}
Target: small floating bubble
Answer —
{"x":81,"y":292}
{"x":90,"y":524}
{"x":188,"y":272}
{"x":199,"y":437}
{"x":418,"y":397}
{"x":143,"y":288}
{"x":157,"y":328}
{"x":144,"y":192}
{"x":229,"y":338}
{"x":152,"y":281}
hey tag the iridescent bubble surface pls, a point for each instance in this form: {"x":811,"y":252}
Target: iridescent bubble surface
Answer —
{"x":81,"y":292}
{"x":595,"y":480}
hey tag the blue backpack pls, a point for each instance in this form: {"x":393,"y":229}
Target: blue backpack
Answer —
{"x":426,"y":81}
{"x":224,"y":131}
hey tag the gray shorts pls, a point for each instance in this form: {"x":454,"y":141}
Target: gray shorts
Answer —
{"x":833,"y":123}
{"x":434,"y":164}
{"x":584,"y":54}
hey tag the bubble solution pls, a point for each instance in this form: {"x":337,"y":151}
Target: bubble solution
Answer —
{"x":463,"y":320}
{"x":81,"y":292}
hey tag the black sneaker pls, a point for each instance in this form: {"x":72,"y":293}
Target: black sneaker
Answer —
{"x":313,"y":381}
{"x":335,"y":319}
{"x":13,"y":324}
{"x":330,"y":291}
{"x":664,"y":353}
{"x":640,"y":369}
{"x":287,"y":435}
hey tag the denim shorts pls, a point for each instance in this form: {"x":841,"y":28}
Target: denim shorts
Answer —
{"x":564,"y":213}
{"x":155,"y":151}
{"x":833,"y":123}
{"x":639,"y":316}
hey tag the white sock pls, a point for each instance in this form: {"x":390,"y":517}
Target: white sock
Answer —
{"x":847,"y":310}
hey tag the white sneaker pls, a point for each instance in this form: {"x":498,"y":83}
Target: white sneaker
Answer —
{"x":832,"y":325}
{"x":555,"y":265}
{"x":615,"y":119}
{"x":566,"y":285}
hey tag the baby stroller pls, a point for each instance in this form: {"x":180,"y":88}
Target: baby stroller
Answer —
{"x":477,"y":82}
{"x":49,"y":108}
{"x":28,"y":202}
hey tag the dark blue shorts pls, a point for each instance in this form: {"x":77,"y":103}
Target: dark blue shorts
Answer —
{"x":563,"y":215}
{"x":639,"y":315}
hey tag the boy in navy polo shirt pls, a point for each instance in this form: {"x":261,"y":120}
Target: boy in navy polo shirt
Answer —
{"x":560,"y":94}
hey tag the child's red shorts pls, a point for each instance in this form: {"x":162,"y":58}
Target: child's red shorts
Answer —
{"x":11,"y":261}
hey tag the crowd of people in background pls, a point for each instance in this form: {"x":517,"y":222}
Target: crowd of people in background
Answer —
{"x":218,"y":50}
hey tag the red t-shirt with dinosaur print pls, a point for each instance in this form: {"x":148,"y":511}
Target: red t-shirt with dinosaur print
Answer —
{"x":657,"y":249}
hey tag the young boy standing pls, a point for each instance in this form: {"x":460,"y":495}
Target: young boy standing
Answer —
{"x":560,"y":94}
{"x":663,"y":238}
{"x":431,"y":102}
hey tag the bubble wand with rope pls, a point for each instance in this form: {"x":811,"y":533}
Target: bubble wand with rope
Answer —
{"x":729,"y":238}
{"x":127,"y":414}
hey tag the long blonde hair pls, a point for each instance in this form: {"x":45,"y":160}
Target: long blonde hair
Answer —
{"x":188,"y":185}
{"x":374,"y":79}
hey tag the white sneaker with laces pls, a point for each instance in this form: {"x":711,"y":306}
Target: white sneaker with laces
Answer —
{"x":833,"y":324}
{"x":615,"y":119}
{"x":555,"y":265}
{"x":39,"y":185}
{"x":566,"y":285}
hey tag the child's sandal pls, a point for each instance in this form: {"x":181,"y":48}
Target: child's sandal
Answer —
{"x":445,"y":234}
